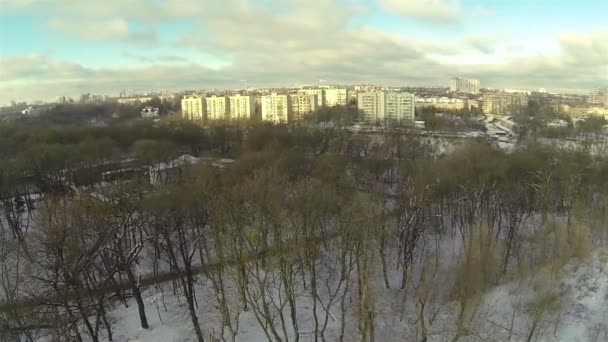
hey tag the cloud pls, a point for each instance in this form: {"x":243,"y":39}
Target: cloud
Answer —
{"x":155,"y":59}
{"x":101,"y":29}
{"x":433,"y":10}
{"x":483,"y":12}
{"x":297,"y":42}
{"x":483,"y":44}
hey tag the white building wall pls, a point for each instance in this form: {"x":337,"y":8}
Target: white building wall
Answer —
{"x":275,"y":108}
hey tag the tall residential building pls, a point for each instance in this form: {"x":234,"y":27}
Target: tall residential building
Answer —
{"x":372,"y":104}
{"x":193,"y":107}
{"x":464,"y":85}
{"x":320,"y":93}
{"x":275,"y":108}
{"x":399,"y":107}
{"x":302,"y":104}
{"x":599,"y":97}
{"x":217,"y":108}
{"x":503,"y":103}
{"x":241,"y":107}
{"x":336,"y":97}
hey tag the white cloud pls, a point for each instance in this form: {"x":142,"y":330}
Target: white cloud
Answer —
{"x":297,"y":43}
{"x":100,"y":29}
{"x":483,"y":12}
{"x":434,"y":10}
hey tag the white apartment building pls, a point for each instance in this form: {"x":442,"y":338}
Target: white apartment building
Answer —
{"x":241,"y":107}
{"x":193,"y":108}
{"x":319,"y":93}
{"x":275,"y":108}
{"x":503,"y":103}
{"x":217,"y":108}
{"x":336,"y":97}
{"x":302,"y":104}
{"x":464,"y":85}
{"x":400,"y":107}
{"x":372,"y":104}
{"x":391,"y":107}
{"x":599,"y":97}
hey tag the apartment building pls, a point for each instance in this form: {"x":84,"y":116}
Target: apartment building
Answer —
{"x":241,"y":106}
{"x":399,"y":107}
{"x":319,"y":93}
{"x":336,"y":97}
{"x":217,"y":108}
{"x":193,"y":107}
{"x":390,"y":107}
{"x":302,"y":104}
{"x":599,"y":97}
{"x":372,"y":104}
{"x":503,"y":103}
{"x":275,"y":108}
{"x":464,"y":85}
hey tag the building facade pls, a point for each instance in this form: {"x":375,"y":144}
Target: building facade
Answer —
{"x":372,"y":104}
{"x":217,"y":108}
{"x":599,"y":98}
{"x":336,"y":97}
{"x":503,"y":103}
{"x":275,"y":108}
{"x":399,"y":107}
{"x":241,"y":106}
{"x":302,"y":104}
{"x":193,"y":108}
{"x":464,"y":85}
{"x":319,"y":93}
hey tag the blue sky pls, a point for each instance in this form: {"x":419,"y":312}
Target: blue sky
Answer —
{"x":50,"y":48}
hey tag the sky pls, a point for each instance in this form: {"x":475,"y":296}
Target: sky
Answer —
{"x":52,"y":48}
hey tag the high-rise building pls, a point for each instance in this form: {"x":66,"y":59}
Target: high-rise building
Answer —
{"x":336,"y":97}
{"x":464,"y":85}
{"x":400,"y":107}
{"x":599,"y":97}
{"x":390,"y":107}
{"x":241,"y":107}
{"x":319,"y":93}
{"x":217,"y":108}
{"x":275,"y":108}
{"x":372,"y":104}
{"x":302,"y":104}
{"x":503,"y":103}
{"x":193,"y":107}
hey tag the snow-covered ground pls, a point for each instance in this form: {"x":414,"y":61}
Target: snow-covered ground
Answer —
{"x":577,"y":295}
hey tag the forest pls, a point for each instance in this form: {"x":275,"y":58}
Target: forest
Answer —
{"x":313,"y":234}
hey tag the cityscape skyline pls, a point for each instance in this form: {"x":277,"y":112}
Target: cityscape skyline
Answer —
{"x":66,"y":48}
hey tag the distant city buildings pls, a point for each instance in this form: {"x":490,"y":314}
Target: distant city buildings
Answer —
{"x":336,"y":97}
{"x":371,"y":104}
{"x":302,"y":104}
{"x":446,"y":103}
{"x":241,"y":106}
{"x":193,"y":107}
{"x":133,"y":100}
{"x":400,"y":107}
{"x":318,"y":92}
{"x":275,"y":108}
{"x":365,"y":88}
{"x":599,"y":98}
{"x":464,"y":85}
{"x":217,"y":108}
{"x":92,"y":98}
{"x":503,"y":103}
{"x":393,"y":107}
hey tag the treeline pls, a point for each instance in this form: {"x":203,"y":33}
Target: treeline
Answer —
{"x":308,"y":233}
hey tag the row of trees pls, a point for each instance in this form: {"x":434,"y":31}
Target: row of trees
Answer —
{"x":313,"y":232}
